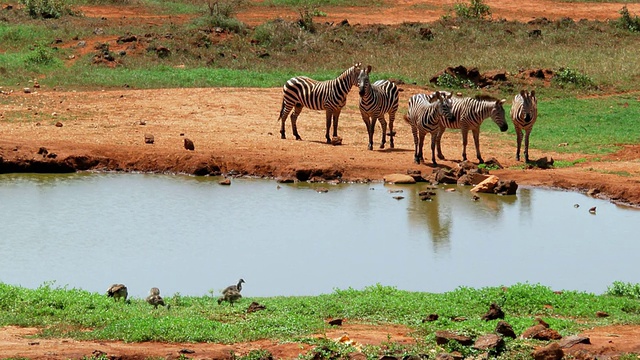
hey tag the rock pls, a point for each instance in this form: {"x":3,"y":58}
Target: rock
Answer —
{"x":505,"y":329}
{"x":540,"y":332}
{"x":509,"y":187}
{"x":322,"y":190}
{"x":430,"y":318}
{"x":544,"y":163}
{"x":335,"y":322}
{"x":399,"y":179}
{"x":573,"y":340}
{"x":254,"y":306}
{"x":493,"y":163}
{"x":488,"y":342}
{"x":495,"y":312}
{"x":336,"y":140}
{"x":601,"y":314}
{"x":225,"y":182}
{"x":451,"y":356}
{"x":592,"y":210}
{"x":487,"y":185}
{"x":58,"y":124}
{"x":285,"y":180}
{"x":416,"y":175}
{"x":148,"y":139}
{"x":549,"y":352}
{"x":445,"y":176}
{"x":188,"y":144}
{"x":443,"y":337}
{"x":43,"y":151}
{"x":27,"y":90}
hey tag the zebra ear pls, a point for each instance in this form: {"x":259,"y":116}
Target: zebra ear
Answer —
{"x":533,"y":93}
{"x":501,"y":101}
{"x":368,"y":69}
{"x":522,"y":93}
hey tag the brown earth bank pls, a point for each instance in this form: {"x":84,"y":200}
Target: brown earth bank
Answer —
{"x":236,"y":132}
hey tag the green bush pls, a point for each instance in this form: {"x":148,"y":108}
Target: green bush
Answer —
{"x":476,"y":9}
{"x":46,"y":9}
{"x":454,"y":82}
{"x":40,"y":55}
{"x":629,"y":290}
{"x":222,"y":14}
{"x":628,"y":22}
{"x":568,"y":76}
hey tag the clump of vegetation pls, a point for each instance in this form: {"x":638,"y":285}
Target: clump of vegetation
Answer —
{"x":629,"y":290}
{"x":47,"y":9}
{"x":221,"y":14}
{"x":454,"y":82}
{"x":476,"y":9}
{"x":568,"y":76}
{"x":40,"y":55}
{"x":628,"y":22}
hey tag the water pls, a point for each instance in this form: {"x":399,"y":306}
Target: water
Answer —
{"x":192,"y":236}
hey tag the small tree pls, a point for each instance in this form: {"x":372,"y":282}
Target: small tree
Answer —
{"x":476,"y":9}
{"x":628,"y":22}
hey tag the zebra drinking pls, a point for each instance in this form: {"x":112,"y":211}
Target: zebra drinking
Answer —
{"x":524,"y":113}
{"x":468,"y":114}
{"x":329,"y":95}
{"x":425,"y":112}
{"x":376,"y":100}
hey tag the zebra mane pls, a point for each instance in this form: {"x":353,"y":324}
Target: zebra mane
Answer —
{"x":483,"y":97}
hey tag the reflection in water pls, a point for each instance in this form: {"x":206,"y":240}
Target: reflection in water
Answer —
{"x":190,"y":235}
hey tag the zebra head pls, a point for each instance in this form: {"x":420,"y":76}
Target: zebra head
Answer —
{"x":497,"y":114}
{"x":363,"y":80}
{"x":529,"y":102}
{"x":351,"y":75}
{"x":443,"y":102}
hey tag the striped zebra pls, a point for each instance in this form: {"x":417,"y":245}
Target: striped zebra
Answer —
{"x":468,"y":114}
{"x":329,"y":95}
{"x":524,"y":113}
{"x":376,"y":100}
{"x":425,"y":112}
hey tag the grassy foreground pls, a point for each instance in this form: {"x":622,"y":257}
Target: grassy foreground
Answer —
{"x":63,"y":312}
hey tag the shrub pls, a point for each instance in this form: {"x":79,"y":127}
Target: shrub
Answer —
{"x":40,"y":55}
{"x":46,"y":9}
{"x":454,"y":82}
{"x":627,"y":22}
{"x":568,"y":76}
{"x":222,"y":14}
{"x":629,"y":290}
{"x":476,"y":9}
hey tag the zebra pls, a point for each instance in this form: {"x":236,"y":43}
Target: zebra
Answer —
{"x":524,"y":112}
{"x":468,"y":114}
{"x":329,"y":95}
{"x":376,"y":100}
{"x":425,"y":112}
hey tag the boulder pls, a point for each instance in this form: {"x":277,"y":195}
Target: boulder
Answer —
{"x":505,"y":329}
{"x":573,"y":340}
{"x":488,"y":342}
{"x":495,"y":312}
{"x":549,"y":352}
{"x":487,"y":185}
{"x":540,"y":332}
{"x":443,"y":337}
{"x":399,"y":179}
{"x":508,"y":187}
{"x":445,"y":176}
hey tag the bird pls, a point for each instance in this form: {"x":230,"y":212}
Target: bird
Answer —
{"x":230,"y":295}
{"x":154,"y":298}
{"x":117,"y":291}
{"x":237,"y":287}
{"x":592,"y":210}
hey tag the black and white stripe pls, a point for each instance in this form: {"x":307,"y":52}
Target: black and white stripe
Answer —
{"x":425,"y":112}
{"x":468,"y":114}
{"x":376,"y":100}
{"x":524,"y":112}
{"x":329,"y":95}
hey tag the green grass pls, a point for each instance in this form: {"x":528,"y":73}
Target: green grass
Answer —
{"x":80,"y":314}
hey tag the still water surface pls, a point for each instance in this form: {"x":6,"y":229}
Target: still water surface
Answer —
{"x":191,"y":235}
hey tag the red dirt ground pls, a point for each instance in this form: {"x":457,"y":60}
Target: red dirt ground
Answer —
{"x":237,"y":130}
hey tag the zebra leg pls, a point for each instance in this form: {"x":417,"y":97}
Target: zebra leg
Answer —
{"x":326,"y":134}
{"x":438,"y":140}
{"x":383,"y":125}
{"x":367,"y":124}
{"x":464,"y":132}
{"x":476,"y":141}
{"x":526,"y":145}
{"x":336,"y":117}
{"x":392,"y":118}
{"x":419,"y":154}
{"x":519,"y":143}
{"x":294,"y":117}
{"x":433,"y":148}
{"x":284,"y":113}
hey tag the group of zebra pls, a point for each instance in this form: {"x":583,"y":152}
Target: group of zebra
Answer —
{"x":432,"y":113}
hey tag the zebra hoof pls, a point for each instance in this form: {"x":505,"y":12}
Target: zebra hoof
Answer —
{"x":370,"y":147}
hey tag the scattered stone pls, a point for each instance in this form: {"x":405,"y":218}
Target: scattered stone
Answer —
{"x":430,"y":318}
{"x":549,"y":352}
{"x":399,"y":179}
{"x":563,"y":144}
{"x":335,"y":322}
{"x":148,"y":139}
{"x":27,"y":90}
{"x":398,"y":197}
{"x":540,"y":332}
{"x":58,"y":124}
{"x":142,"y":122}
{"x":509,"y":187}
{"x":573,"y":340}
{"x":43,"y":151}
{"x":445,"y":176}
{"x":285,"y":180}
{"x":444,"y":336}
{"x":322,"y":190}
{"x":162,"y":52}
{"x":535,"y":33}
{"x":426,"y":33}
{"x":495,"y":312}
{"x":593,"y":192}
{"x":601,"y":314}
{"x":186,"y":351}
{"x":592,"y":210}
{"x":493,"y":163}
{"x":34,"y":343}
{"x":544,"y":163}
{"x":52,"y":155}
{"x":81,"y":44}
{"x":254,"y":306}
{"x":336,"y":140}
{"x":487,"y":185}
{"x":395,"y":191}
{"x":459,"y":319}
{"x":505,"y":329}
{"x":475,"y":198}
{"x":226,"y":181}
{"x":188,"y":144}
{"x":416,"y":174}
{"x":488,"y":342}
{"x":576,"y":205}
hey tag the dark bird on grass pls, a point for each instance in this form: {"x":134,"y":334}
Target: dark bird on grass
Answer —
{"x":154,"y":298}
{"x":237,"y":287}
{"x":117,"y":291}
{"x":230,"y":296}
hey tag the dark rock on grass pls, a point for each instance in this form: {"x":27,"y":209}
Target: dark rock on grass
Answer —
{"x":505,"y":329}
{"x":495,"y":312}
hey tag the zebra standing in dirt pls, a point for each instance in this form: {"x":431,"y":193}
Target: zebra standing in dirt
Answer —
{"x":375,"y":101}
{"x":329,"y":95}
{"x":524,"y":113}
{"x":425,"y":112}
{"x":468,"y":114}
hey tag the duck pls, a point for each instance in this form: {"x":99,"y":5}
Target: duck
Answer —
{"x":230,"y":295}
{"x":154,"y":298}
{"x":117,"y":292}
{"x":237,"y":287}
